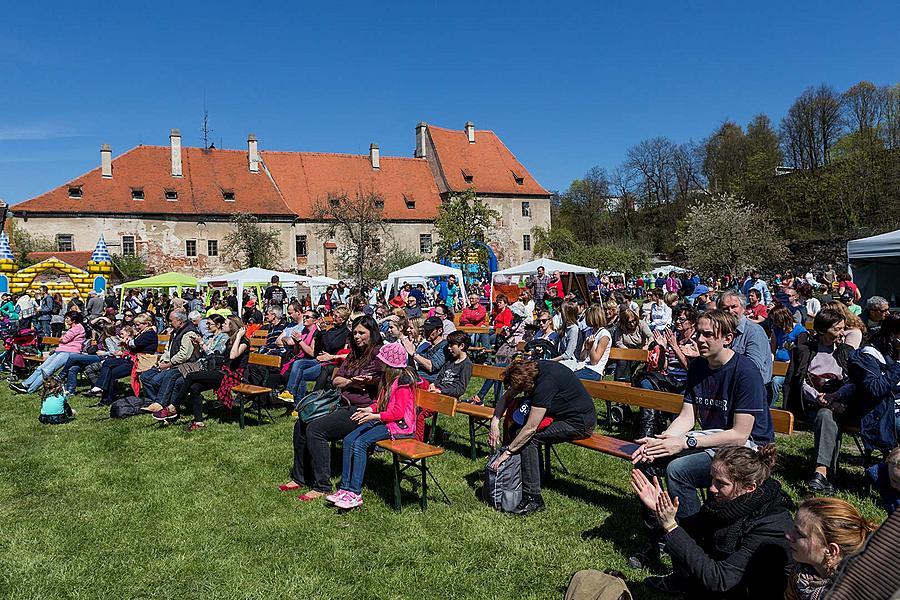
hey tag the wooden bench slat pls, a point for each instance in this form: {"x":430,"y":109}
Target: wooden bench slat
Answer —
{"x":488,"y":372}
{"x":629,"y":354}
{"x":433,"y":401}
{"x":608,"y":445}
{"x":250,"y":390}
{"x":782,"y":421}
{"x":410,"y":449}
{"x":780,"y":368}
{"x":267,"y":360}
{"x":475,"y":410}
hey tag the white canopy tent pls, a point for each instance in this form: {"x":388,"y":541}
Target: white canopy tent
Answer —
{"x":252,"y":277}
{"x":317,"y":286}
{"x":424,"y":269}
{"x":665,"y":269}
{"x":875,"y":265}
{"x":530,"y":268}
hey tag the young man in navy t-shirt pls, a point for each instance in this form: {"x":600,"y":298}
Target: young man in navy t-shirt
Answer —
{"x":725,"y":393}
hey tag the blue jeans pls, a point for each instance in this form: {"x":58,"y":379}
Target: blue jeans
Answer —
{"x":161,"y":386}
{"x":302,"y":370}
{"x":686,"y":473}
{"x":356,"y":453}
{"x":75,"y":363}
{"x":51,"y":365}
{"x":497,"y":385}
{"x":43,"y":327}
{"x":777,"y":384}
{"x":589,"y":374}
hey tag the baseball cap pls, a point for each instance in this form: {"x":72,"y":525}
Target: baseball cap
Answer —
{"x":432,"y":323}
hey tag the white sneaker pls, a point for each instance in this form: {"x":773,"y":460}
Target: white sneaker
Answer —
{"x":338,"y":495}
{"x":351,"y":500}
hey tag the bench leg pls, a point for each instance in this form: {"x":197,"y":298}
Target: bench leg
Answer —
{"x":472,"y":449}
{"x":548,"y":465}
{"x":423,"y":501}
{"x":241,"y":403}
{"x":562,"y":465}
{"x":397,"y":506}
{"x":443,"y":493}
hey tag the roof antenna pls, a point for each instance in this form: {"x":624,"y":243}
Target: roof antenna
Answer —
{"x":205,"y":130}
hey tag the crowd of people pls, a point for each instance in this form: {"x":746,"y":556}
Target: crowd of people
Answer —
{"x":364,"y":353}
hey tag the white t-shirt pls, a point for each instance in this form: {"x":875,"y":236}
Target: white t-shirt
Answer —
{"x":813,"y":306}
{"x":600,"y":367}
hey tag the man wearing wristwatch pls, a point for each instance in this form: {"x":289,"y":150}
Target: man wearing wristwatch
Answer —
{"x":725,"y":393}
{"x":428,"y":362}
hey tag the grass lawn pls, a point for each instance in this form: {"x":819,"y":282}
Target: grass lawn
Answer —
{"x":100,"y":508}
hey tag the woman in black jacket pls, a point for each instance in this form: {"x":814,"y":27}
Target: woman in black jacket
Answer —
{"x":735,"y":547}
{"x":818,"y":389}
{"x":875,"y":369}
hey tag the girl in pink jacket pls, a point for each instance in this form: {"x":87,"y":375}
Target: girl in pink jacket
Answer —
{"x":392,"y":416}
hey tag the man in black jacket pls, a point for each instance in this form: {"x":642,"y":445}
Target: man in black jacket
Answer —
{"x":818,"y":390}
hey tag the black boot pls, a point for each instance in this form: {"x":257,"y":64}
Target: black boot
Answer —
{"x":529,"y":504}
{"x":647,"y":557}
{"x":648,"y":423}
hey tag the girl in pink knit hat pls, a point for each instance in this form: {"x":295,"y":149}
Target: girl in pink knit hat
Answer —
{"x":392,"y":416}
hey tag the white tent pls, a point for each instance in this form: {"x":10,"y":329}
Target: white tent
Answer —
{"x":875,"y":264}
{"x":252,"y":277}
{"x":665,"y":269}
{"x":531,"y":267}
{"x":424,"y":269}
{"x":550,"y":265}
{"x":317,"y":286}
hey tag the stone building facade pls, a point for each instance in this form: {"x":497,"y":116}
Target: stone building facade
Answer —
{"x":173,"y":204}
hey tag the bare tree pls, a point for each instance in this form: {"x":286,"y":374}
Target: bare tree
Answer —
{"x":891,"y":117}
{"x":812,"y":125}
{"x":863,"y":106}
{"x":653,"y":160}
{"x":357,"y":222}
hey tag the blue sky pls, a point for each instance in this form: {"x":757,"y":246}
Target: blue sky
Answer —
{"x":566,"y":85}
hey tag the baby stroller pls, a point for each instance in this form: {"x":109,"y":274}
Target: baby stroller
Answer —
{"x":17,"y":344}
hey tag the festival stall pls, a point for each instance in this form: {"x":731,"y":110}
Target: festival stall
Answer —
{"x":254,"y":277}
{"x":419,"y":271}
{"x":510,"y":281}
{"x":875,"y":265}
{"x":167,"y":281}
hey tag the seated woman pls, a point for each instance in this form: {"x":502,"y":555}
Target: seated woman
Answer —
{"x":71,"y":342}
{"x":392,"y":415}
{"x":357,"y":379}
{"x":548,"y":389}
{"x":332,"y":346}
{"x":735,"y":547}
{"x":305,"y":367}
{"x":139,"y":339}
{"x":826,"y":531}
{"x":567,"y":342}
{"x":875,"y":370}
{"x":784,"y":335}
{"x":595,"y":353}
{"x":103,"y":343}
{"x":235,"y":356}
{"x":818,"y":383}
{"x":854,"y":329}
{"x":632,"y":333}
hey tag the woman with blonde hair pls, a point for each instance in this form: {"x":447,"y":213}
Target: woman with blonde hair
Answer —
{"x":595,"y":353}
{"x":826,"y":531}
{"x":568,"y":333}
{"x":854,"y":328}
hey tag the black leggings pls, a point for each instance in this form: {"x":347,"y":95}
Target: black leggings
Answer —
{"x":312,"y":451}
{"x":194,"y":384}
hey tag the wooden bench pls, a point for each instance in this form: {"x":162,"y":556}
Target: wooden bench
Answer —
{"x":780,"y":368}
{"x":46,"y":343}
{"x":246,"y":393}
{"x":473,"y":329}
{"x":412,"y":454}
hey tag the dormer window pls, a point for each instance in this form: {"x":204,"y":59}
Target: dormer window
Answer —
{"x":410,"y":201}
{"x":171,"y":195}
{"x":520,"y":180}
{"x":334,"y":202}
{"x":228,"y":195}
{"x":137,"y":193}
{"x":75,"y":191}
{"x":379,"y":202}
{"x":467,"y":175}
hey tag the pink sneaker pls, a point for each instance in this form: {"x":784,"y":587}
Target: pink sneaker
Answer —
{"x":350,"y":500}
{"x":338,"y":495}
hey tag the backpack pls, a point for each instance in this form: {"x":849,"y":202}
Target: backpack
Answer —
{"x":503,"y":487}
{"x":318,"y":404}
{"x":127,"y":407}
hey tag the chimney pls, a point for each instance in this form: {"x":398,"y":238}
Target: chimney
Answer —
{"x":470,"y":131}
{"x":105,"y":161}
{"x":374,"y":157}
{"x":421,"y":128}
{"x":175,"y":143}
{"x":252,"y":153}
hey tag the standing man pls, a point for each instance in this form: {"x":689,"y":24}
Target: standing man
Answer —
{"x":754,"y":282}
{"x":429,"y":361}
{"x":44,"y":311}
{"x":94,"y":306}
{"x":538,"y":285}
{"x":275,"y":294}
{"x":830,"y":277}
{"x":726,"y":395}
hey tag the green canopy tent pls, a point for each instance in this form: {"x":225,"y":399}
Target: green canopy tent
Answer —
{"x":165,"y":280}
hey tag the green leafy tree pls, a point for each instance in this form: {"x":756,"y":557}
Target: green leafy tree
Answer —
{"x":723,"y":234}
{"x":250,"y":244}
{"x":356,"y":221}
{"x":131,"y":267}
{"x":562,"y":244}
{"x":463,"y":224}
{"x":24,"y":243}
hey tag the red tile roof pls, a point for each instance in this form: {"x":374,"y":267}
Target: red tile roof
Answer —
{"x":205,"y":175}
{"x":78,"y":258}
{"x":488,"y":161}
{"x":305,"y":178}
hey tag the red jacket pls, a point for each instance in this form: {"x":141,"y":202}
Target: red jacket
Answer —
{"x":503,"y":319}
{"x":476,"y":316}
